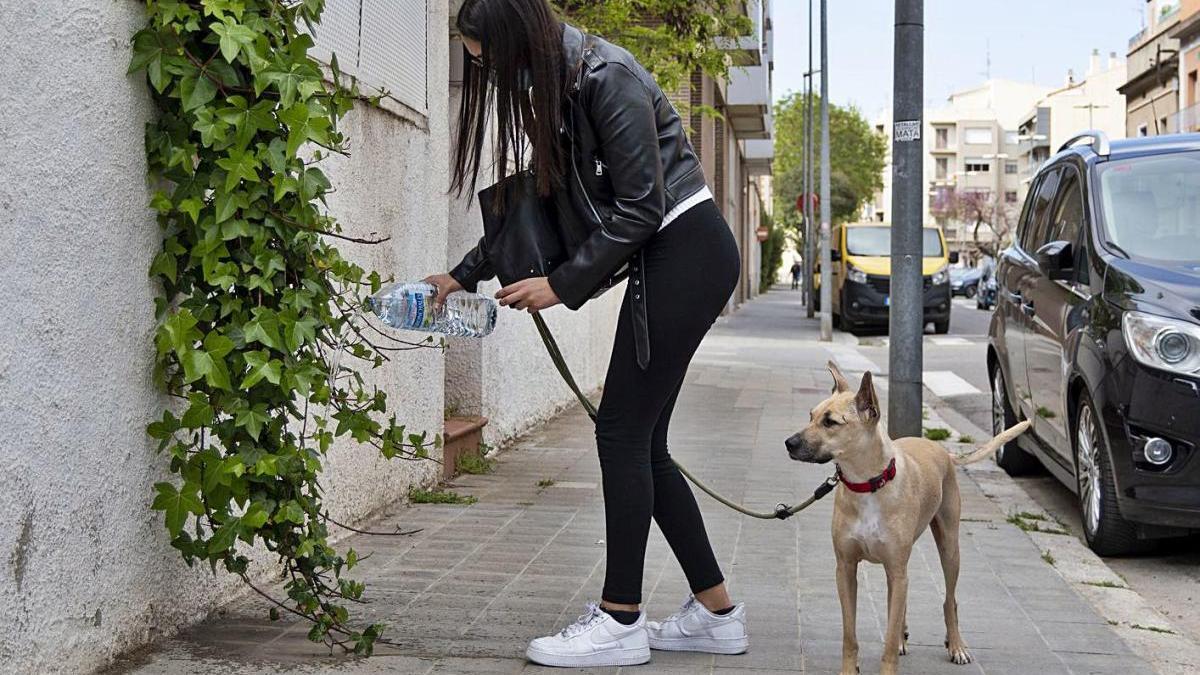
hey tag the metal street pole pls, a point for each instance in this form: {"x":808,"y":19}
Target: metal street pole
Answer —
{"x":906,"y":322}
{"x":803,"y":202}
{"x":826,"y":262}
{"x":810,"y":301}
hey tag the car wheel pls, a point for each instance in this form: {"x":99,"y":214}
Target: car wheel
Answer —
{"x":970,"y":291}
{"x":1010,"y":457}
{"x":1106,"y":532}
{"x":941,"y":327}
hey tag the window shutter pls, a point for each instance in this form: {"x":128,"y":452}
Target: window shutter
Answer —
{"x":393,"y":53}
{"x":338,"y":34}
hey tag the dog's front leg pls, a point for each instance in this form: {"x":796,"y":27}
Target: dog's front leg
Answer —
{"x":847,"y":585}
{"x":897,"y":581}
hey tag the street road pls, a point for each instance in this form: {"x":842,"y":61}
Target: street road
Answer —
{"x":956,"y":371}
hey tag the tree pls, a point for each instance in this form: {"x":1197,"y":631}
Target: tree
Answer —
{"x":671,"y":38}
{"x":857,"y":152}
{"x":981,"y":209}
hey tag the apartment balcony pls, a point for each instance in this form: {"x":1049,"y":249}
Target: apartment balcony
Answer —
{"x":748,"y":101}
{"x":759,"y":156}
{"x":749,"y":49}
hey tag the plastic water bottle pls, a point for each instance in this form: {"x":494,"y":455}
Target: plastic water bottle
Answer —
{"x":409,"y":306}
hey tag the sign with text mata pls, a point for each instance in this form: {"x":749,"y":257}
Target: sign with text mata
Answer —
{"x":393,"y":53}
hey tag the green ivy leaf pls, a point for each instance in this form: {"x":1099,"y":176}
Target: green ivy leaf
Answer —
{"x":262,"y":366}
{"x":176,"y":504}
{"x":197,"y":91}
{"x":233,"y":38}
{"x":253,"y":419}
{"x":199,"y":414}
{"x":241,"y":165}
{"x":225,"y":535}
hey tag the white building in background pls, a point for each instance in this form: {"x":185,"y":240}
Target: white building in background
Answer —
{"x":970,"y":144}
{"x":89,"y":571}
{"x":1093,"y":102}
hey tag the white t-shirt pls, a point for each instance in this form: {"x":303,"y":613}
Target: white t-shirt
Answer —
{"x":701,"y":196}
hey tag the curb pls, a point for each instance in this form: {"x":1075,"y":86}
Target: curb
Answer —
{"x":1147,"y":632}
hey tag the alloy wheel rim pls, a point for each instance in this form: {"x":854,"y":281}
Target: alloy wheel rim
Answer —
{"x":998,"y":409}
{"x":1088,"y":458}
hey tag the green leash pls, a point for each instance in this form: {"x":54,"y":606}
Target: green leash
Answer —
{"x":781,"y":512}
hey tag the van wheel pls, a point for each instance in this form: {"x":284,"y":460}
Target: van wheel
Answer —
{"x":1010,"y":456}
{"x":971,"y":291}
{"x":1106,"y":532}
{"x":941,"y":327}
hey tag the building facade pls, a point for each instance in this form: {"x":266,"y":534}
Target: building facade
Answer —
{"x":90,"y":572}
{"x":1151,"y":88}
{"x":1094,"y":102}
{"x":971,"y":151}
{"x":1187,"y":32}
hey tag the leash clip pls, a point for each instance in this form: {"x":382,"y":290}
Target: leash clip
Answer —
{"x":783,"y":511}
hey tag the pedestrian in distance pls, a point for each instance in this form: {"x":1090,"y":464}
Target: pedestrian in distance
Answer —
{"x":797,"y":270}
{"x":604,"y":139}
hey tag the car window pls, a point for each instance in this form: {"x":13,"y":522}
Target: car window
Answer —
{"x":1035,"y":231}
{"x":1149,"y":206}
{"x":1068,"y":213}
{"x":1026,"y":210}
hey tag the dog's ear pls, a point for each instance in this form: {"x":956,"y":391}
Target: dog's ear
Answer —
{"x":839,"y":381}
{"x":865,"y":401}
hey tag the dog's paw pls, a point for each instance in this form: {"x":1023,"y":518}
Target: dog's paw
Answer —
{"x":959,"y":654}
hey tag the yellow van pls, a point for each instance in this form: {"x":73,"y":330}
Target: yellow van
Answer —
{"x":862,"y":267}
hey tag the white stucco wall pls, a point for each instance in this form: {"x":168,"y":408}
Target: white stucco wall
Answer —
{"x":85,"y":565}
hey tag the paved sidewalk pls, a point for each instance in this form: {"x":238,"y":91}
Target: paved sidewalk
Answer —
{"x":466,"y":594}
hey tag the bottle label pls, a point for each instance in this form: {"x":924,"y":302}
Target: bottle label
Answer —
{"x":418,"y":317}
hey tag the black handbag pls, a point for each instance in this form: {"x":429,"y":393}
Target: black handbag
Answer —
{"x":524,"y":240}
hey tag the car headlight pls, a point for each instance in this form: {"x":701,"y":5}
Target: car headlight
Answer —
{"x":1159,"y":342}
{"x":856,"y":275}
{"x":940,"y":276}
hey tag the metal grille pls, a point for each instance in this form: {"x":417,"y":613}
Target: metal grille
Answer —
{"x":394,"y":49}
{"x":884,"y":284}
{"x":338,"y":34}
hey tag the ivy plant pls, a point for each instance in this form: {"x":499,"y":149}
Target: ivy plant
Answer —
{"x":257,"y":306}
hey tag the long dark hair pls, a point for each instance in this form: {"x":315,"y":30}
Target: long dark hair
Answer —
{"x":521,"y":72}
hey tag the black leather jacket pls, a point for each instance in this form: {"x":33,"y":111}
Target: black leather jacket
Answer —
{"x":631,"y":163}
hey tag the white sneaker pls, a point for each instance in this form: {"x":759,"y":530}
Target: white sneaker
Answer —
{"x":695,"y":629}
{"x":595,"y":639}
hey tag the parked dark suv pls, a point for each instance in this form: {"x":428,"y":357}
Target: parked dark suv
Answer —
{"x":1096,"y":335}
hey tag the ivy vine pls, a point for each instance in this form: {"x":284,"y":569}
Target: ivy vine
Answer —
{"x":257,"y":306}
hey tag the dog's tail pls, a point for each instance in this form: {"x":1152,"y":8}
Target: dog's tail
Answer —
{"x":993,"y":445}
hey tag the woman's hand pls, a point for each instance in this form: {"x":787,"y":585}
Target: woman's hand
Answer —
{"x":530,"y":294}
{"x":445,"y":284}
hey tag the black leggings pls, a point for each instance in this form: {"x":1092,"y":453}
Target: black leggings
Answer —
{"x":692,"y":267}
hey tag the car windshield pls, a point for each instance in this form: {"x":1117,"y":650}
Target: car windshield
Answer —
{"x":1152,"y":206}
{"x":878,"y":241}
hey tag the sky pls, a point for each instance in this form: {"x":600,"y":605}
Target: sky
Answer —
{"x":1029,"y":40}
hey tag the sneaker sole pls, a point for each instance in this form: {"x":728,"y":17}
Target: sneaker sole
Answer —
{"x":632,"y":656}
{"x":706,"y":645}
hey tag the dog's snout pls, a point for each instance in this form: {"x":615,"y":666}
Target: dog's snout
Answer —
{"x":795,"y":446}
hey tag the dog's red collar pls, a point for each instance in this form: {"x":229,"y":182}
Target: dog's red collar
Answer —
{"x":888,"y":475}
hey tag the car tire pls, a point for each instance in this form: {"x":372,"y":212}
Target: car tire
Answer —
{"x":1011,"y":457}
{"x":970,"y":292}
{"x":1103,"y":528}
{"x":941,"y":327}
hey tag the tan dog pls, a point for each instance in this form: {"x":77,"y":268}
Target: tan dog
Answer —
{"x":890,"y":491}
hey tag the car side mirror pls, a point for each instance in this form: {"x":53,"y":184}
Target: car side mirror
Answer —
{"x":835,"y":255}
{"x":954,"y":257}
{"x":1057,"y":260}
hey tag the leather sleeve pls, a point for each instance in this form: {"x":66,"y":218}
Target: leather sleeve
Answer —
{"x":474,"y":268}
{"x":622,"y":112}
